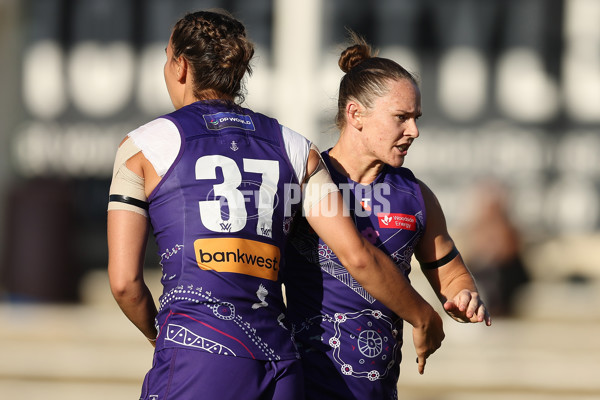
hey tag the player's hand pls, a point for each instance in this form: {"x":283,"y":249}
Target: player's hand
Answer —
{"x":427,"y":339}
{"x":467,"y":306}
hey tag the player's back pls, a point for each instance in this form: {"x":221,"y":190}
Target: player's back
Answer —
{"x":218,"y":215}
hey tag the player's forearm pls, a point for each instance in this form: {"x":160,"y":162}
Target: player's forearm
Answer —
{"x":138,"y":305}
{"x":126,"y":233}
{"x":383,"y":280}
{"x":448,"y":280}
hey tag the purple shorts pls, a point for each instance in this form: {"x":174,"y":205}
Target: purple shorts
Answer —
{"x":180,"y":374}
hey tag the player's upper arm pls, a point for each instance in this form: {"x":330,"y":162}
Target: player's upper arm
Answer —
{"x":143,"y":157}
{"x":127,"y":188}
{"x":436,"y":242}
{"x":317,"y":184}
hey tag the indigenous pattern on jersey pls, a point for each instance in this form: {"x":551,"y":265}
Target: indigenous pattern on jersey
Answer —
{"x":335,"y":321}
{"x":220,"y":216}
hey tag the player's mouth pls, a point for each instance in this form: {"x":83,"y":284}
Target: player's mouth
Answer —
{"x":403,"y":148}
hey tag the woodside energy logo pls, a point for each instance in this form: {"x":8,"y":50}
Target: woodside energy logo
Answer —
{"x":397,"y":221}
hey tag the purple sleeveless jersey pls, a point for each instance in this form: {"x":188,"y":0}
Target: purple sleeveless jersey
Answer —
{"x":219,"y":216}
{"x":349,"y":342}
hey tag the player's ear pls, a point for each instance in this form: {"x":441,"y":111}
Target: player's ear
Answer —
{"x":182,"y":69}
{"x":354,"y":114}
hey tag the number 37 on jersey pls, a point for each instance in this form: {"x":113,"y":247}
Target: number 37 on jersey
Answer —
{"x":225,"y":209}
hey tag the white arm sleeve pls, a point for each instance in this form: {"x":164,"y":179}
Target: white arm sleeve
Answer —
{"x":160,"y":143}
{"x":297,"y":148}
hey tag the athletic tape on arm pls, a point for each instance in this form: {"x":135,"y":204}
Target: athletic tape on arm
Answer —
{"x":127,"y":188}
{"x":318,"y":185}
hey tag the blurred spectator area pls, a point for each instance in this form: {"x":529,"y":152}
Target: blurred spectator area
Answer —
{"x":520,"y":275}
{"x":511,"y":94}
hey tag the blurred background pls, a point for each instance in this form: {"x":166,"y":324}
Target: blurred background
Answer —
{"x":510,"y":143}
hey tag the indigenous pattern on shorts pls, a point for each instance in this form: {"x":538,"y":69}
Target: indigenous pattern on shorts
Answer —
{"x":329,"y":310}
{"x":220,"y":220}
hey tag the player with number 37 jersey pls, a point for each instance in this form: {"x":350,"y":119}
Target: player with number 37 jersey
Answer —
{"x":225,"y":184}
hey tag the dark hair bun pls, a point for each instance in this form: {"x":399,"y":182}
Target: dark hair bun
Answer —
{"x":353,"y":56}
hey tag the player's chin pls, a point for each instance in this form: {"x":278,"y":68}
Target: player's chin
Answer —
{"x":396,"y":162}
